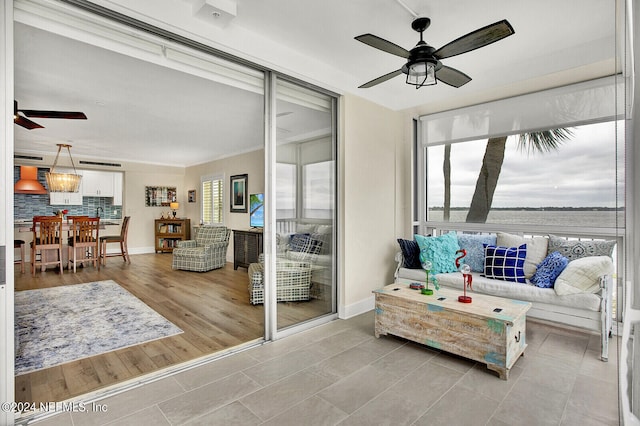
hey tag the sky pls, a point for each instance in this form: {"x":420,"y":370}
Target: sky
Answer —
{"x":581,"y":173}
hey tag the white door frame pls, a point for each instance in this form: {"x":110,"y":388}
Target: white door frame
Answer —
{"x":7,"y":376}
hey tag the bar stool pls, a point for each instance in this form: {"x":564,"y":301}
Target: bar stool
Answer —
{"x":19,"y":244}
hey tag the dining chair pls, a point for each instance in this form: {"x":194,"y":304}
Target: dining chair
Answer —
{"x":19,"y":244}
{"x":121,"y":239}
{"x":46,"y":237}
{"x":84,"y":237}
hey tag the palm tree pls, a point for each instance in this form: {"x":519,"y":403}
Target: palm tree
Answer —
{"x":446,"y":170}
{"x":540,"y":142}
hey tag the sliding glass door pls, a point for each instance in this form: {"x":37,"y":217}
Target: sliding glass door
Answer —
{"x":305,"y":210}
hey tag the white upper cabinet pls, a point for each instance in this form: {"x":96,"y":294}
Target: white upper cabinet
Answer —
{"x":117,"y":189}
{"x":96,"y":183}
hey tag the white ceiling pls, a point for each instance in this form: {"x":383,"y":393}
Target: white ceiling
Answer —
{"x":138,"y":111}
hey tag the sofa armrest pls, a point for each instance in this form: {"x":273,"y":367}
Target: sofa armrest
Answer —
{"x":606,"y":284}
{"x":400,"y":261}
{"x":216,"y":245}
{"x":186,"y":244}
{"x":256,"y":273}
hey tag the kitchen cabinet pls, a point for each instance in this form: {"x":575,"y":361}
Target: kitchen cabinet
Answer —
{"x":67,"y":198}
{"x":97,"y":183}
{"x":117,"y":189}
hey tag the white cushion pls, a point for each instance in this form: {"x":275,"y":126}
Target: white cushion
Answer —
{"x":510,"y":290}
{"x":536,"y":249}
{"x":583,"y":275}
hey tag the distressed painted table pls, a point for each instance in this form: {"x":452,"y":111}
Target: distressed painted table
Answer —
{"x":491,"y":330}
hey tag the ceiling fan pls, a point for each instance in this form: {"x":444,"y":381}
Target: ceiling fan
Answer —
{"x":423,"y":66}
{"x":20,"y":116}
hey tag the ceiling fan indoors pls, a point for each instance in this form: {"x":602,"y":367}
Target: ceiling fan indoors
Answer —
{"x":20,"y":116}
{"x":423,"y":66}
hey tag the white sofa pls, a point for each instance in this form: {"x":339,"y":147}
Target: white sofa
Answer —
{"x":589,"y":310}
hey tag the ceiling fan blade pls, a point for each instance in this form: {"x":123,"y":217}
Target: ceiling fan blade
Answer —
{"x":476,"y":39}
{"x":384,"y":45}
{"x":26,"y":123}
{"x":452,"y":76}
{"x":380,"y":79}
{"x":69,"y":115}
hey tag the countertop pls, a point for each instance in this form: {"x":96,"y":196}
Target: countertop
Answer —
{"x":107,"y":222}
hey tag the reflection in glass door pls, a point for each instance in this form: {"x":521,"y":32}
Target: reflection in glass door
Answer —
{"x":305,"y":197}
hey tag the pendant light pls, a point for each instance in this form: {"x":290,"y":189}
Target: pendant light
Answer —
{"x":63,"y":182}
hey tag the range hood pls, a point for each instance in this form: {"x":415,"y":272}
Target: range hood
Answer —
{"x":28,"y":182}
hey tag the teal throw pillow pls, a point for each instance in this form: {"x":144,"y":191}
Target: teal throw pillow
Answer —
{"x":440,"y":251}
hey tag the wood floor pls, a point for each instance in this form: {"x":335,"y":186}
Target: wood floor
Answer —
{"x":212,"y":309}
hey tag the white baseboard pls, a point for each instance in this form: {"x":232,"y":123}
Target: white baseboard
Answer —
{"x":140,"y":250}
{"x":354,"y":309}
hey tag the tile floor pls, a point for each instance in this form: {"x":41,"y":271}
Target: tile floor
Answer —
{"x":339,"y":373}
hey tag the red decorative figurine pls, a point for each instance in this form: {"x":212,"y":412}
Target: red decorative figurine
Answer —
{"x":466,"y":275}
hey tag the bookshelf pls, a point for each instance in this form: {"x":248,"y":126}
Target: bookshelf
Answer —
{"x":169,"y":231}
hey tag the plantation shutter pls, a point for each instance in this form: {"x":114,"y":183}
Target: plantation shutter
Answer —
{"x":212,"y":200}
{"x":217,"y":200}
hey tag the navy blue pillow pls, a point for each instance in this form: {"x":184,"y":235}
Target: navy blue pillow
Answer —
{"x":549,"y":269}
{"x":505,"y":263}
{"x":410,"y":254}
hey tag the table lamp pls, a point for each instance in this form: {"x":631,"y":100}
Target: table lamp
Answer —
{"x":174,"y":206}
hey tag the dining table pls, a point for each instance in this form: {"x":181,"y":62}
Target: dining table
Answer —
{"x":26,"y":226}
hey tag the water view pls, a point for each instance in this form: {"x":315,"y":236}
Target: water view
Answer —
{"x":600,"y":218}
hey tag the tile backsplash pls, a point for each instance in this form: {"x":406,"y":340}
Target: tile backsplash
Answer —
{"x":28,"y":205}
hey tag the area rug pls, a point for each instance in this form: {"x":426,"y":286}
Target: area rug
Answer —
{"x":62,"y":324}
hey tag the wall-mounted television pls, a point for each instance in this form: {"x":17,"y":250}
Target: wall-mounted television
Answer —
{"x":256,"y":210}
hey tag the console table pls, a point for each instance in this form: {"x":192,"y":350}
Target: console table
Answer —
{"x":247,"y":246}
{"x":490,"y":330}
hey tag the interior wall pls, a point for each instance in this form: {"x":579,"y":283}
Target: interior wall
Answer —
{"x":251,"y":163}
{"x":371,"y":136}
{"x":137,"y":176}
{"x":141,"y":229}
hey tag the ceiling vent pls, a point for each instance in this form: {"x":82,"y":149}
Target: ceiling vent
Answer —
{"x":28,"y":157}
{"x":28,"y":182}
{"x":97,"y":163}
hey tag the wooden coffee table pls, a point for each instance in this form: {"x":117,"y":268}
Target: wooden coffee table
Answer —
{"x":490,"y":330}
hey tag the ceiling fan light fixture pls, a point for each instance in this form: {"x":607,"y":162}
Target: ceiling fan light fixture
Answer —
{"x":63,"y":182}
{"x":423,"y":61}
{"x":421,"y":73}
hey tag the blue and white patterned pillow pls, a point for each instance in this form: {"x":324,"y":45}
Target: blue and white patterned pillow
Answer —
{"x":474,"y":246}
{"x":304,"y":243}
{"x":440,"y":251}
{"x":549,"y":269}
{"x":505,"y":263}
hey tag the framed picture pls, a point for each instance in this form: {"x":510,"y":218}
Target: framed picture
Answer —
{"x":159,"y":195}
{"x":191,"y":196}
{"x":239,"y":197}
